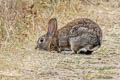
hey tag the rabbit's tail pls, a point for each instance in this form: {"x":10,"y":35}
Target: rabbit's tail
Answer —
{"x":99,"y":37}
{"x":99,"y":40}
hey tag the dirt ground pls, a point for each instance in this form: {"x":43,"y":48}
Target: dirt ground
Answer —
{"x":20,"y":61}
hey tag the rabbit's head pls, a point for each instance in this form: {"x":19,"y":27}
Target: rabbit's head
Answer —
{"x":48,"y":40}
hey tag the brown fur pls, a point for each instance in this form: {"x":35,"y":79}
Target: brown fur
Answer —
{"x":70,"y":36}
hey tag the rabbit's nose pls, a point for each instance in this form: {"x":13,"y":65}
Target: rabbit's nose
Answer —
{"x":36,"y":47}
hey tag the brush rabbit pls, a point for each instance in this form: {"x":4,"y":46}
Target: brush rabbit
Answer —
{"x":81,"y":33}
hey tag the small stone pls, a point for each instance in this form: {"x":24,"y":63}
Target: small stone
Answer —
{"x":99,"y":58}
{"x":115,"y":52}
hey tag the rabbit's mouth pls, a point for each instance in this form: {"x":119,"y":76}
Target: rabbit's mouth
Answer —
{"x":36,"y":47}
{"x":41,"y":47}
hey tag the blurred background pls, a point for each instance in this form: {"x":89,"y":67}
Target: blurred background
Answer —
{"x":22,"y":22}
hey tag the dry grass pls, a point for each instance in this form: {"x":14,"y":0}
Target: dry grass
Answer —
{"x":23,"y":21}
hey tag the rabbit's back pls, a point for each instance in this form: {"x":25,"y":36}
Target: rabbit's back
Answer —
{"x":80,"y":31}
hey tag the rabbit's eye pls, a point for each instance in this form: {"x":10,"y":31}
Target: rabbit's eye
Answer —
{"x":41,"y":39}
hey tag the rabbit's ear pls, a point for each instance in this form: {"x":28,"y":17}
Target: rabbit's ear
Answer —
{"x":52,"y":26}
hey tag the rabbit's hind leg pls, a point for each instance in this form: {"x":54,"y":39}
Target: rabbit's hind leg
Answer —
{"x":84,"y":51}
